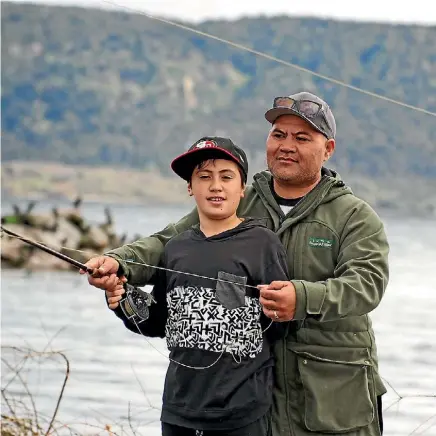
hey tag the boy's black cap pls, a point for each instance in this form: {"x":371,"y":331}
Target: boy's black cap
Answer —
{"x":213,"y":147}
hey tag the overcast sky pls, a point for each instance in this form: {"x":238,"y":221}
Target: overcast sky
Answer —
{"x":416,"y":11}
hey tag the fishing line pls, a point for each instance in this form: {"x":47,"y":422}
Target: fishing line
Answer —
{"x":224,"y":349}
{"x":186,"y":273}
{"x":271,"y":58}
{"x":79,"y":265}
{"x":127,"y":261}
{"x":265,"y":56}
{"x":92,"y":254}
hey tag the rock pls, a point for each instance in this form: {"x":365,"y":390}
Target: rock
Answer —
{"x":64,"y":230}
{"x":73,"y":215}
{"x":68,"y":233}
{"x":94,"y":238}
{"x":40,"y":260}
{"x":42,"y":221}
{"x":14,"y":251}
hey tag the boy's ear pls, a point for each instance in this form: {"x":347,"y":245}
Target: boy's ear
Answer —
{"x":190,"y":189}
{"x":243,"y":191}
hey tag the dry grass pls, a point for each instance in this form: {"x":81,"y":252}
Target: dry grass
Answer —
{"x":20,"y":414}
{"x":21,"y":417}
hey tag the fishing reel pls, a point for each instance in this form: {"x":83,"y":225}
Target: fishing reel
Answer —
{"x":135,"y":304}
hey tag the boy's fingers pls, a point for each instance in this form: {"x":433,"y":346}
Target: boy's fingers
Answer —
{"x":112,"y":300}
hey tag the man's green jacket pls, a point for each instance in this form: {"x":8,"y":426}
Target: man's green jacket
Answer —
{"x":327,"y":378}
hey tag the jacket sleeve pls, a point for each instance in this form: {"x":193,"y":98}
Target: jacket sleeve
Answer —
{"x":149,"y":250}
{"x":276,"y":270}
{"x":360,"y":277}
{"x":154,"y":326}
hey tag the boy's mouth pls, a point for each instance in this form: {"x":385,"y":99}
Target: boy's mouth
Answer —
{"x":216,"y":199}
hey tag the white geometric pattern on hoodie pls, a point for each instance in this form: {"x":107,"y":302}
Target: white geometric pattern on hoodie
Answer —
{"x":196,"y":319}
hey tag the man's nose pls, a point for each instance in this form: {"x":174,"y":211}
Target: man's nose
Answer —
{"x":288,"y":145}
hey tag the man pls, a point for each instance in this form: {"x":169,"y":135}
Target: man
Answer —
{"x":327,"y":379}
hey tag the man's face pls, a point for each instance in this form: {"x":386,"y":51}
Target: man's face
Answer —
{"x":217,"y":188}
{"x":296,"y":152}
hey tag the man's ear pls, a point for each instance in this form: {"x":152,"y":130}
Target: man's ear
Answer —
{"x":329,"y":149}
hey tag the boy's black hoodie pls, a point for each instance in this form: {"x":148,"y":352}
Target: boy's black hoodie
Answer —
{"x":216,"y":326}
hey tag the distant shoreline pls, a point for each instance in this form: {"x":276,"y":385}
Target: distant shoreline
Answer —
{"x":58,"y":183}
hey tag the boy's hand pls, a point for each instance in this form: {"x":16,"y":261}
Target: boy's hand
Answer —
{"x":114,"y":295}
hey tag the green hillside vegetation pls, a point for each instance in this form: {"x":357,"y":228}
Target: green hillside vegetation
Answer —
{"x":110,"y":89}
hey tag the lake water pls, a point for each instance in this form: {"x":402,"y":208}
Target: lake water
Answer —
{"x":116,"y":377}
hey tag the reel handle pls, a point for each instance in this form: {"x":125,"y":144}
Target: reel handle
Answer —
{"x":135,"y":305}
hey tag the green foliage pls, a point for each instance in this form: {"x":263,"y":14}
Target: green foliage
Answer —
{"x":94,"y":87}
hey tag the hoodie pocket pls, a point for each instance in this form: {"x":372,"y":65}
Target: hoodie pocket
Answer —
{"x":337,"y":387}
{"x":230,"y":295}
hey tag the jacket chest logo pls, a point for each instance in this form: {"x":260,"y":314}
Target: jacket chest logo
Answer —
{"x":320,"y":242}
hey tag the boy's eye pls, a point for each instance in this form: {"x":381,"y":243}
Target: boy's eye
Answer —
{"x":203,"y":176}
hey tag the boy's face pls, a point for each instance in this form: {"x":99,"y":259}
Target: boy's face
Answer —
{"x":217,"y":188}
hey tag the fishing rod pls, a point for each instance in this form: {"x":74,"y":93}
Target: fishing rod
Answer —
{"x":134,"y":305}
{"x":161,"y":268}
{"x":49,"y":250}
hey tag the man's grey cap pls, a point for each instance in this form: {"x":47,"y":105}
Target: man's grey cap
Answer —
{"x":327,"y":127}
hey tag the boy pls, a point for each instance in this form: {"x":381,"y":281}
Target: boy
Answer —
{"x":220,"y":376}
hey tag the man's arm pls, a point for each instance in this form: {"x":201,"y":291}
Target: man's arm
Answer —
{"x":149,"y":250}
{"x":360,"y":277}
{"x":278,"y":266}
{"x":276,"y":270}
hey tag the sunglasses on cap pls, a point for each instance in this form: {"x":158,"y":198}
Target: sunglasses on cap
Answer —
{"x":312,"y":111}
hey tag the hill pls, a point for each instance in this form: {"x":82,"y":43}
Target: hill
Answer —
{"x":102,"y":88}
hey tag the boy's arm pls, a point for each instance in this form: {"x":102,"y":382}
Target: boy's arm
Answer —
{"x":154,"y":326}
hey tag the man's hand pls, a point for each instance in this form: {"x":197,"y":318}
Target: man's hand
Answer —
{"x":105,"y":272}
{"x":114,"y":295}
{"x":278,"y":300}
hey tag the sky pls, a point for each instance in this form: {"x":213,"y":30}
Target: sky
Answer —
{"x":394,"y":11}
